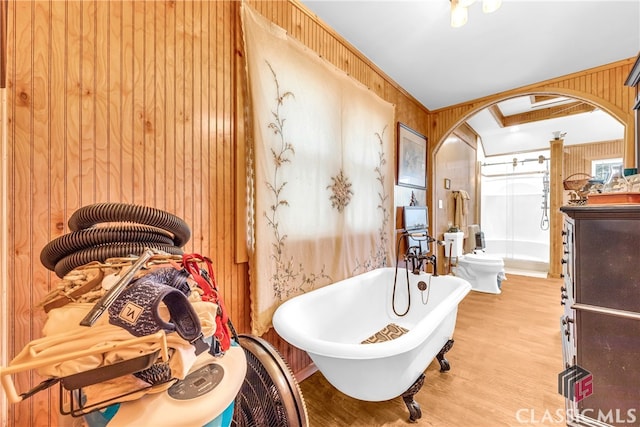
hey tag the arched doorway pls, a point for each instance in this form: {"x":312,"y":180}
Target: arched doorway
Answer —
{"x":455,"y":158}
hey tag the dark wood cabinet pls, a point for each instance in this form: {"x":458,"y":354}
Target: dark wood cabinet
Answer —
{"x":601,"y":321}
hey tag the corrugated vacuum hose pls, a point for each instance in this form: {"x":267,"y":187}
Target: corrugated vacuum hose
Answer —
{"x":130,"y":229}
{"x":270,"y":395}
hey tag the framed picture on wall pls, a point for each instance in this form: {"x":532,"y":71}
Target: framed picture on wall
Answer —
{"x":412,"y":158}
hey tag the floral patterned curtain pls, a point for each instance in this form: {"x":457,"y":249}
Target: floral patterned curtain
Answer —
{"x":323,"y":171}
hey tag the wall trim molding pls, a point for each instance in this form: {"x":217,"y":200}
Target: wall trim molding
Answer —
{"x":4,"y":248}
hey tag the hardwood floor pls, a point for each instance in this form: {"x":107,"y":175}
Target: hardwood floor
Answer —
{"x":504,"y":368}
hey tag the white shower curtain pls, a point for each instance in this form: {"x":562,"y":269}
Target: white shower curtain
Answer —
{"x":323,"y":171}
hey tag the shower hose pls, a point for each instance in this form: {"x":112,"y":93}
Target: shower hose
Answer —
{"x":131,"y":229}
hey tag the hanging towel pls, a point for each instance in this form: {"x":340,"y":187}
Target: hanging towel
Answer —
{"x":460,"y":198}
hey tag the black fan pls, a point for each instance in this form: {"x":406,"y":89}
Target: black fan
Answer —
{"x":270,"y":395}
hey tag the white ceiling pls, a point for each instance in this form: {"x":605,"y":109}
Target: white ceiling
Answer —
{"x":583,"y":128}
{"x":523,"y":42}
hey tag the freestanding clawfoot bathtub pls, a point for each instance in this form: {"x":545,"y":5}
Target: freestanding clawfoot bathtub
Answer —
{"x":331,"y":324}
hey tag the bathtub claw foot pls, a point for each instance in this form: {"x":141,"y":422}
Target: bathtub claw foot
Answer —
{"x":415,"y":412}
{"x":444,"y":363}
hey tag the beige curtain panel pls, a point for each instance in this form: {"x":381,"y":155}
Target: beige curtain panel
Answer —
{"x":323,"y":175}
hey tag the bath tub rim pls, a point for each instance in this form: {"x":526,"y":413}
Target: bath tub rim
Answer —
{"x":290,"y":332}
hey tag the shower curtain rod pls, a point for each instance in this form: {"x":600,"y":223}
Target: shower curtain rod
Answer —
{"x":512,"y":174}
{"x":517,"y":161}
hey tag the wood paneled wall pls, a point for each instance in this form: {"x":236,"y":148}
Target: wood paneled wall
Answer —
{"x":577,"y":158}
{"x":312,"y":32}
{"x":602,"y":86}
{"x":118,"y":102}
{"x":138,"y":102}
{"x":455,"y":161}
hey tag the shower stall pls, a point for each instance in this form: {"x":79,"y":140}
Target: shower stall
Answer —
{"x":515,"y":211}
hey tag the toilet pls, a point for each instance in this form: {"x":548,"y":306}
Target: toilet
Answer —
{"x":484,"y":272}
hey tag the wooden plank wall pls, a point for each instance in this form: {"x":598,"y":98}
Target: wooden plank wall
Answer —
{"x":602,"y":86}
{"x":121,"y":102}
{"x":137,"y":102}
{"x":312,"y":32}
{"x":577,"y":158}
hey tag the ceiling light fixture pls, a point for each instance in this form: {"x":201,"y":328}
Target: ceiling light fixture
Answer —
{"x":460,"y":15}
{"x":489,"y":6}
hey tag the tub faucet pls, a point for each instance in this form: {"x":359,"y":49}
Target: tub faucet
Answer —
{"x":416,"y":257}
{"x":431,"y":259}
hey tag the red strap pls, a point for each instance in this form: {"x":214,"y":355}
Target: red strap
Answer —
{"x":210,"y":293}
{"x":190,"y":263}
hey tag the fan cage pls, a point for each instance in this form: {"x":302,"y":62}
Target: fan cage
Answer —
{"x":270,"y":395}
